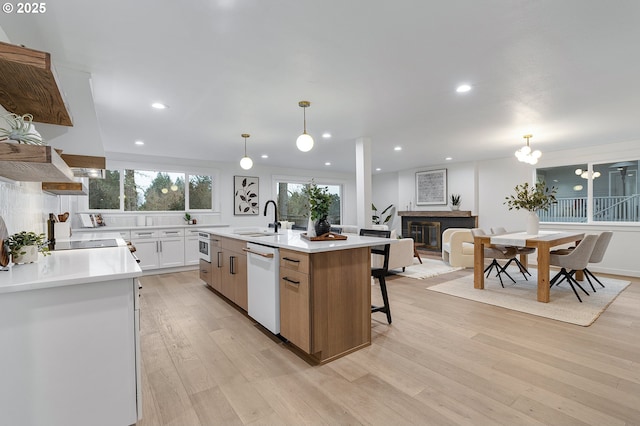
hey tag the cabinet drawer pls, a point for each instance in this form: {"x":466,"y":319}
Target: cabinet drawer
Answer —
{"x":295,"y":323}
{"x":206,"y":272}
{"x":294,"y":260}
{"x":126,"y":235}
{"x":232,"y":244}
{"x":171,"y":233}
{"x":139,"y":235}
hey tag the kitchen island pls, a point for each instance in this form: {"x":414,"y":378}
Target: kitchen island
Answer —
{"x":69,"y":337}
{"x":324,"y":286}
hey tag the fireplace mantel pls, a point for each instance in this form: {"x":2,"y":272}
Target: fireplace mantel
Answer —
{"x":436,"y":213}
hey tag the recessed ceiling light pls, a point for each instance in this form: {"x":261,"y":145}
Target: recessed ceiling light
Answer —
{"x":449,"y":158}
{"x":397,"y":148}
{"x":326,"y":135}
{"x":139,"y":143}
{"x":327,"y":163}
{"x":463,"y":88}
{"x":264,"y":156}
{"x":378,"y":169}
{"x":159,"y":105}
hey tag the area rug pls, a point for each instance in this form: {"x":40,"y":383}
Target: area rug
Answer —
{"x":429,"y":268}
{"x":564,"y":306}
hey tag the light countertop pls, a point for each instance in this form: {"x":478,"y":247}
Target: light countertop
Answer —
{"x":73,"y":267}
{"x":293,"y":240}
{"x":108,"y":228}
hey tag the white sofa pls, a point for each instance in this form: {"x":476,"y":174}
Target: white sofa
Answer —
{"x":457,"y":247}
{"x":400,"y":252}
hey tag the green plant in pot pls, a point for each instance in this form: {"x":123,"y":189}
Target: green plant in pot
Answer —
{"x":319,"y":203}
{"x":24,"y":246}
{"x":532,"y":198}
{"x":455,"y":201}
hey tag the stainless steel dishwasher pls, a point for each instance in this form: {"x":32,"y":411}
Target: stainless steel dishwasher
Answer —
{"x":263,"y":269}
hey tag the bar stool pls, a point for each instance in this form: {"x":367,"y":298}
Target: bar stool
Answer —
{"x":380,"y":273}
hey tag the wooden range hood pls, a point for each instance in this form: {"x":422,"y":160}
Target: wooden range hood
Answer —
{"x":29,"y":85}
{"x":81,"y":165}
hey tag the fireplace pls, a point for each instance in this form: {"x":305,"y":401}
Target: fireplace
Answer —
{"x":426,"y":227}
{"x":425,"y":234}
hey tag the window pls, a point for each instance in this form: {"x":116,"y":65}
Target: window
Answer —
{"x":105,"y":193}
{"x":147,"y":190}
{"x":293,"y":206}
{"x":614,"y":189}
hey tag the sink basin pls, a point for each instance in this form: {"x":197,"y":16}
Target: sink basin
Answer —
{"x":254,"y":232}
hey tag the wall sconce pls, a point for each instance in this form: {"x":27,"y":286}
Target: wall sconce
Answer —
{"x":246,"y":162}
{"x":304,"y":141}
{"x":525,"y":154}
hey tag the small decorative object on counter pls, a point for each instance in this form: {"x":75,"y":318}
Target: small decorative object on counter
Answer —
{"x":319,"y":203}
{"x":187,"y":218}
{"x":24,"y":246}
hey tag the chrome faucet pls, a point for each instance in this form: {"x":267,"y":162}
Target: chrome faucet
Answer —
{"x":276,"y":224}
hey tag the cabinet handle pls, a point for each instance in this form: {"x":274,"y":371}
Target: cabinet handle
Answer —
{"x":160,"y":246}
{"x":172,"y":232}
{"x":157,"y":247}
{"x":289,"y":280}
{"x":291,"y":260}
{"x":204,"y":271}
{"x":232,"y":269}
{"x":219,"y":262}
{"x":140,"y":234}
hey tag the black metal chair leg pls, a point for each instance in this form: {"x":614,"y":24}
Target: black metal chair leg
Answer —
{"x":589,"y":273}
{"x":385,"y":298}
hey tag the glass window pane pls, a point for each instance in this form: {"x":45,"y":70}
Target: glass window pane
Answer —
{"x":293,"y":205}
{"x":200,"y":193}
{"x":571,"y":182}
{"x":615,"y":192}
{"x":105,"y":193}
{"x":153,"y":191}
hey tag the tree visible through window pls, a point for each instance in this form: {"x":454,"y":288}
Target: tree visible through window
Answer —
{"x":146,"y":190}
{"x":293,"y":205}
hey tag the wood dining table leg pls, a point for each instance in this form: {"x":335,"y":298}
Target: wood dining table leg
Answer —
{"x":543,"y":272}
{"x":478,"y":263}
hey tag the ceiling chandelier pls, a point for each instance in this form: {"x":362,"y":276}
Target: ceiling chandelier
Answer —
{"x":246,"y":162}
{"x":304,"y":141}
{"x":584,"y":174}
{"x":525,"y":154}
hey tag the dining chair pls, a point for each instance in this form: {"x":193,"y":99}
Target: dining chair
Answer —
{"x":380,"y":272}
{"x":519,"y":251}
{"x":596,"y":257}
{"x":496,"y":252}
{"x":576,"y":260}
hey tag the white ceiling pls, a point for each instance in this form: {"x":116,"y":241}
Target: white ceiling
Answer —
{"x":565,"y":71}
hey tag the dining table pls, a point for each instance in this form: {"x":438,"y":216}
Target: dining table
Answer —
{"x":543,"y":242}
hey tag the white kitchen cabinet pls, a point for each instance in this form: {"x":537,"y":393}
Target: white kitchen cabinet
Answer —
{"x":191,"y":254}
{"x":69,"y":355}
{"x":160,"y":248}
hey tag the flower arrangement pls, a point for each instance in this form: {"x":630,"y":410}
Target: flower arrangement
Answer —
{"x":319,"y":200}
{"x":532,"y":198}
{"x":21,"y":129}
{"x":455,"y":200}
{"x":17,"y":242}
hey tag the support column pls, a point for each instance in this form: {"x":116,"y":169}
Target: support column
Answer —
{"x":363,"y":182}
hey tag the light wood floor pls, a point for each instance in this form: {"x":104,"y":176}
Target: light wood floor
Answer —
{"x":443,"y":361}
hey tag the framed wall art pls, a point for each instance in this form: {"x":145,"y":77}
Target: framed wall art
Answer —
{"x":431,"y":187}
{"x":245,"y":195}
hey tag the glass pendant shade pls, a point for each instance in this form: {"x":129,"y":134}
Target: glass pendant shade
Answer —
{"x":526,"y":155}
{"x":246,"y":163}
{"x":304,"y":142}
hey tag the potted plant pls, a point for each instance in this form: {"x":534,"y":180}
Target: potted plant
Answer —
{"x":375,"y":218}
{"x":319,"y":203}
{"x":24,"y":246}
{"x":532,"y":198}
{"x":187,"y":218}
{"x":455,"y":201}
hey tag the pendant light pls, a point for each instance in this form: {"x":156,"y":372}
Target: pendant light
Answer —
{"x":246,"y":162}
{"x":304,"y":141}
{"x":525,"y":154}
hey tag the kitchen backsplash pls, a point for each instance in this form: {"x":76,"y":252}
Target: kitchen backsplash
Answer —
{"x":24,"y":207}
